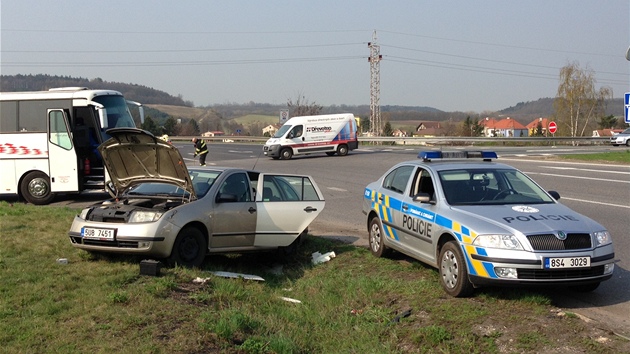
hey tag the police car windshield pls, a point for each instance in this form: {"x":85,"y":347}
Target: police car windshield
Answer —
{"x":490,"y":187}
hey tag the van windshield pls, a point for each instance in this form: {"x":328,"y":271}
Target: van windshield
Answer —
{"x":280,"y":133}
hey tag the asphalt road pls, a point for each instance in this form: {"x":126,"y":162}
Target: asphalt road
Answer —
{"x":600,"y":191}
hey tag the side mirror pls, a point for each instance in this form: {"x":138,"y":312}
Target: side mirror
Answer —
{"x":226,"y":198}
{"x":554,"y":194}
{"x":422,"y":198}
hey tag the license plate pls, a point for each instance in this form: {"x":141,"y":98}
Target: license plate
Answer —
{"x":98,"y":233}
{"x":567,"y":262}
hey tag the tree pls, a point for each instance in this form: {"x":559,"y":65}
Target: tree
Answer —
{"x":607,"y":122}
{"x":170,"y":126}
{"x":387,"y":130}
{"x":578,"y":102}
{"x":302,"y":107}
{"x":150,"y":125}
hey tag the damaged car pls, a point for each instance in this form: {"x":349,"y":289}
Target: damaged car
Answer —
{"x":162,"y":209}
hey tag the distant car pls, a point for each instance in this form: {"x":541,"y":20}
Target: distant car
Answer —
{"x":162,"y":209}
{"x":483,"y":223}
{"x":622,"y":138}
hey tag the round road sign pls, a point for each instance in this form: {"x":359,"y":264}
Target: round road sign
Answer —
{"x":552,"y":127}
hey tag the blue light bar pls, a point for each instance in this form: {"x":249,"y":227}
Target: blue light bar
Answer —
{"x":430,"y":155}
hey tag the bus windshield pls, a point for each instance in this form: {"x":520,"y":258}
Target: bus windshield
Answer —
{"x":118,"y":115}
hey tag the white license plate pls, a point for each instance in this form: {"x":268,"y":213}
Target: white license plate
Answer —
{"x":98,"y":233}
{"x":567,"y":262}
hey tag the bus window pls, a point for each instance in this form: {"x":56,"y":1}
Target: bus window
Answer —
{"x":58,"y":134}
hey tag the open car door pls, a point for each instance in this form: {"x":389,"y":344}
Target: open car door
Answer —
{"x":286,"y":204}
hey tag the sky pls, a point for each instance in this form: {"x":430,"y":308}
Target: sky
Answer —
{"x":460,"y":55}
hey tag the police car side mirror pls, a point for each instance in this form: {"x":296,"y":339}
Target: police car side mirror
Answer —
{"x":554,"y":194}
{"x":422,"y":198}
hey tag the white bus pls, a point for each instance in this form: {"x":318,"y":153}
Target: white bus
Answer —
{"x":48,"y":139}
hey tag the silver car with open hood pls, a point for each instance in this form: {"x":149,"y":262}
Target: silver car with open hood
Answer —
{"x":161,"y":208}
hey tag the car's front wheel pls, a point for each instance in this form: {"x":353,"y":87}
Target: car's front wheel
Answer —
{"x":453,"y":272}
{"x":190,"y":248}
{"x":376,"y":238}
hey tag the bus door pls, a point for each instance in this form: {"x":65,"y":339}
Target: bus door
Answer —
{"x":62,"y":157}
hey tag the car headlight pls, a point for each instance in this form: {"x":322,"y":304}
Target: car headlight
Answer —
{"x":84,"y":213}
{"x":498,"y":241}
{"x":144,"y":216}
{"x":602,"y":238}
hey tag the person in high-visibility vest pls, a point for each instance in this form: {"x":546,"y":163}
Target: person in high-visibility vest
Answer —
{"x":201,"y":150}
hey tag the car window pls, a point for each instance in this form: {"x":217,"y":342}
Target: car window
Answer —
{"x":236,"y":185}
{"x":492,"y":186}
{"x":203,"y":180}
{"x":397,"y":179}
{"x":288,"y":188}
{"x":422,"y":183}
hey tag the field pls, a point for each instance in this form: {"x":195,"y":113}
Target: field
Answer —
{"x":355,"y":303}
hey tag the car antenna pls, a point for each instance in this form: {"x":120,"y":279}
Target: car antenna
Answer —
{"x":257,"y":158}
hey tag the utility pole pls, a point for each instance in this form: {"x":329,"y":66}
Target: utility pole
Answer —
{"x":375,"y":86}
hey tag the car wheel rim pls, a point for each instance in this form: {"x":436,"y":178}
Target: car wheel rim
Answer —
{"x":188,"y":249}
{"x":38,"y":187}
{"x":450,"y":269}
{"x":375,"y":237}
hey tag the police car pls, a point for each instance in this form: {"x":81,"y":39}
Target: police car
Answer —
{"x":161,"y":208}
{"x":483,"y":223}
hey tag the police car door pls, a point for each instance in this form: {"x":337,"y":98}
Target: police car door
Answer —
{"x":286,"y":204}
{"x":418,"y":217}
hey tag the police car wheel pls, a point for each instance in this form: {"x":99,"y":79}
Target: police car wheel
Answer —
{"x":376,"y":239}
{"x":453,"y":272}
{"x":190,"y":248}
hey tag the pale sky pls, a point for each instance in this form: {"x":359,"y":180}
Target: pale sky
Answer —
{"x":462,"y":55}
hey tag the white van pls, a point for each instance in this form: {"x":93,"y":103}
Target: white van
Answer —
{"x":330,"y":133}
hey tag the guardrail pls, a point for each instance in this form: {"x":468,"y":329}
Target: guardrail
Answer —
{"x":442,"y":140}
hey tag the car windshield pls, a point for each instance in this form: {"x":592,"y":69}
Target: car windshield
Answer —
{"x":490,"y":186}
{"x":202,"y":181}
{"x":280,"y":133}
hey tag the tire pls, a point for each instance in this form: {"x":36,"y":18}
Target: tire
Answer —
{"x":586,"y":288}
{"x":628,"y":143}
{"x":376,"y":238}
{"x":35,"y":188}
{"x":286,"y":154}
{"x":453,"y":272}
{"x":189,"y":249}
{"x":342,"y":150}
{"x":330,"y":153}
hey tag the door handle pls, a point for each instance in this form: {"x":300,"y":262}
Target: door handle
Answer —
{"x":309,"y":209}
{"x":251,"y":210}
{"x":405,"y":207}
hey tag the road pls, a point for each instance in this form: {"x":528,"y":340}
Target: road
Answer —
{"x":600,"y":191}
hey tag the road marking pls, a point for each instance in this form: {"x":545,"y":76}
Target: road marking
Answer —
{"x":337,"y":189}
{"x":585,"y":169}
{"x":577,"y":177}
{"x":594,"y":202}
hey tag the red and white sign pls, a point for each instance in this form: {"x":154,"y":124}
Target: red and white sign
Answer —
{"x":552,"y":127}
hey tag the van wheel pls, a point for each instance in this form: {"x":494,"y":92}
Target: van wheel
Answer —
{"x":35,"y":188}
{"x":342,"y":150}
{"x":286,"y":153}
{"x":189,"y":249}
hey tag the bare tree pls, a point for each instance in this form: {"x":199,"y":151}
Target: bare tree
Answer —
{"x":578,"y":103}
{"x":302,"y":107}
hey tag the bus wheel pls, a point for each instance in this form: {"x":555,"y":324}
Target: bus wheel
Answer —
{"x":35,"y":188}
{"x":342,"y":150}
{"x":286,"y":153}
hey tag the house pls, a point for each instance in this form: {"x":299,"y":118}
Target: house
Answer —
{"x":212,"y":134}
{"x":399,"y":133}
{"x":429,"y":129}
{"x":532,"y":127}
{"x":606,"y":132}
{"x":507,"y":127}
{"x":271,"y":129}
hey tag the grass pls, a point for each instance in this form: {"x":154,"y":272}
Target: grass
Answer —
{"x":622,"y":157}
{"x":355,"y":303}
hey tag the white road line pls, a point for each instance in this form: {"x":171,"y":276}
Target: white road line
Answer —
{"x":337,"y":189}
{"x":585,"y":169}
{"x":578,"y":177}
{"x":594,"y":202}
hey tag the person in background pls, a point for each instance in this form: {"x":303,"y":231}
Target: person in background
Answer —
{"x":201,"y":150}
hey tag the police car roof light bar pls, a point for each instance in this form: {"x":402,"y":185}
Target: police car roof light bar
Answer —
{"x":430,"y":155}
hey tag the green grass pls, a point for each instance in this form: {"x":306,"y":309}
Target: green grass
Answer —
{"x":352,"y":304}
{"x":622,"y":156}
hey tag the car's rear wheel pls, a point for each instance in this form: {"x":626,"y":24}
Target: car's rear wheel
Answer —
{"x":453,"y":272}
{"x":35,"y":188}
{"x":286,"y":153}
{"x":190,"y":248}
{"x":628,"y":142}
{"x":342,"y":150}
{"x":376,"y":238}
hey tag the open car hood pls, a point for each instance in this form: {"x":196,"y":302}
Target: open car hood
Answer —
{"x":134,"y":156}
